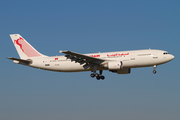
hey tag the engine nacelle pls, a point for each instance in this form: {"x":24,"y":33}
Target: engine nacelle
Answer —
{"x":122,"y":71}
{"x":113,"y":65}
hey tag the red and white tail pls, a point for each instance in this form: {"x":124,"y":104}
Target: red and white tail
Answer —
{"x":24,"y":49}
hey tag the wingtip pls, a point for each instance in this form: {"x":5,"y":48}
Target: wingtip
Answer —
{"x":8,"y":57}
{"x":63,"y":51}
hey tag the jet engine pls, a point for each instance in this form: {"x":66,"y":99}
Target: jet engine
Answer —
{"x":113,"y":65}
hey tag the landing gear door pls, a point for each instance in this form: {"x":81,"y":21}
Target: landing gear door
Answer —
{"x":46,"y":62}
{"x":154,"y":53}
{"x":132,"y":56}
{"x":155,"y":56}
{"x":132,"y":60}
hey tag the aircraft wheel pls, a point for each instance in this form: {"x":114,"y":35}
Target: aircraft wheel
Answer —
{"x":102,"y":77}
{"x":154,"y":71}
{"x":96,"y":74}
{"x":92,"y":75}
{"x":98,"y":77}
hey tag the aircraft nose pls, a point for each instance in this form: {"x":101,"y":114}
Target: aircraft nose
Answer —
{"x":172,"y":57}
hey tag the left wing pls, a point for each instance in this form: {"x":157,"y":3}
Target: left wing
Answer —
{"x":88,"y":61}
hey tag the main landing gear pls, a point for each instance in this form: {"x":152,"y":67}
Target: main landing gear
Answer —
{"x":98,"y":76}
{"x":154,"y":71}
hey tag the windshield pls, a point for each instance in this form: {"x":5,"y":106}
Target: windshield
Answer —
{"x":165,"y":53}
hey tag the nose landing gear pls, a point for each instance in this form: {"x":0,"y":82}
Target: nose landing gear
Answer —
{"x":154,"y":71}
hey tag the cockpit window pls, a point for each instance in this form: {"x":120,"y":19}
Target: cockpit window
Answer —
{"x":165,"y":53}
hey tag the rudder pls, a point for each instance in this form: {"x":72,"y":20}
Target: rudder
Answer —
{"x":24,"y":49}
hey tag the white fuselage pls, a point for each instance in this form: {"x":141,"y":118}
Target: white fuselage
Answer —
{"x":130,"y":59}
{"x":119,"y":62}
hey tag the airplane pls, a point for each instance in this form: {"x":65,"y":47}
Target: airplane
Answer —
{"x":119,"y":62}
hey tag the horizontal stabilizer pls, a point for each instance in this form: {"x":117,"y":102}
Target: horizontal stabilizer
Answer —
{"x":20,"y":61}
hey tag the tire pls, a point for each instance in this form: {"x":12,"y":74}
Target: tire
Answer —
{"x":102,"y":77}
{"x":92,"y":75}
{"x":98,"y":78}
{"x":96,"y":74}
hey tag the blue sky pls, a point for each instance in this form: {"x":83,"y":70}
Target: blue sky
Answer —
{"x":89,"y":27}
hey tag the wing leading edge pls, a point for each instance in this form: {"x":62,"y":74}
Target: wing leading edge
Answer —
{"x":88,"y":61}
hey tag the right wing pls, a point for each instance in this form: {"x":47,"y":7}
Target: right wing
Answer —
{"x":88,"y":61}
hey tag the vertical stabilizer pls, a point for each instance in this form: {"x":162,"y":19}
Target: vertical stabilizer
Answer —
{"x":24,"y":49}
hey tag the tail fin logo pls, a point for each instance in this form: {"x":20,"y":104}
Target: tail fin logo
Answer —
{"x":26,"y":48}
{"x":17,"y":42}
